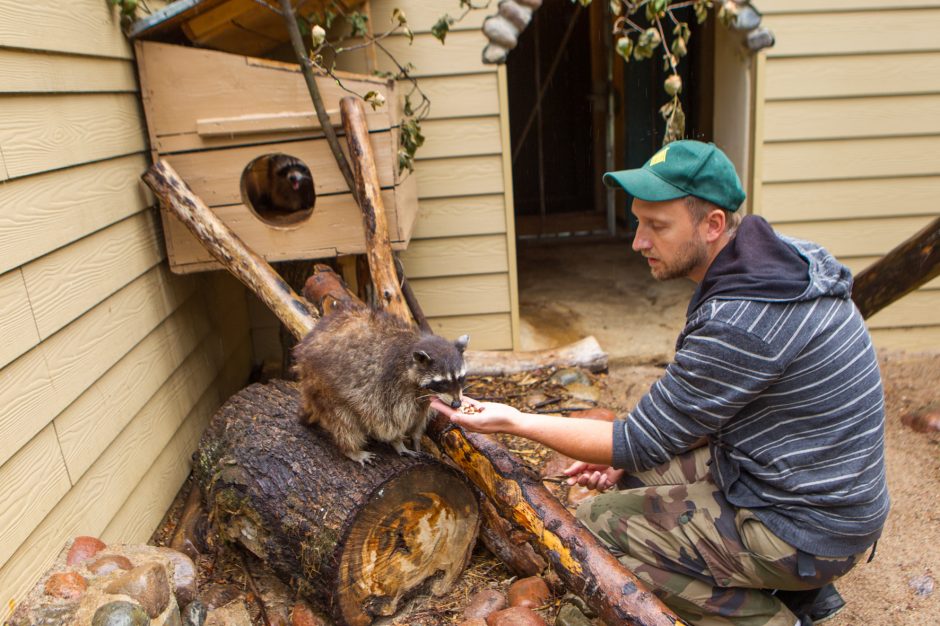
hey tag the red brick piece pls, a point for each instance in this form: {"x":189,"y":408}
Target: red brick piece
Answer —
{"x":83,"y":548}
{"x":66,"y":585}
{"x":515,"y":616}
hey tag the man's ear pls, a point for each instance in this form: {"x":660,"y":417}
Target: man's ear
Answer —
{"x":714,"y":224}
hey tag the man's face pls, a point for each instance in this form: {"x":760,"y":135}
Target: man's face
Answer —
{"x":672,"y":244}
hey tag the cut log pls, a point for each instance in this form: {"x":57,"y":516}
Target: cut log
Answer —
{"x":908,"y":266}
{"x":369,"y":194}
{"x":509,"y":545}
{"x":360,"y":539}
{"x":585,"y":353}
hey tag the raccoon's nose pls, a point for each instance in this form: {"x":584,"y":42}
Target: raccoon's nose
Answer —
{"x":455,"y":403}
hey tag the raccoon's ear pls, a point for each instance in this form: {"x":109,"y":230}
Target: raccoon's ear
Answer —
{"x":462,"y":342}
{"x":420,"y":356}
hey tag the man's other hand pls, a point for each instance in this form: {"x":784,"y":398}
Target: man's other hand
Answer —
{"x":593,"y":476}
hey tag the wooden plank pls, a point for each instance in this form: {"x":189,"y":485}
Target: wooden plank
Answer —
{"x":859,"y":263}
{"x":33,"y":480}
{"x":468,"y":215}
{"x":848,"y":199}
{"x":451,"y":256}
{"x":460,"y":137}
{"x":487,"y":332}
{"x":843,"y":76}
{"x":422,"y":14}
{"x":461,"y":176}
{"x":851,"y":158}
{"x":462,"y":54}
{"x":49,"y":377}
{"x":80,"y":27}
{"x":31,"y":72}
{"x":215,"y":175}
{"x":467,"y":95}
{"x":915,"y":309}
{"x":45,"y":132}
{"x":66,"y":283}
{"x":773,"y":7}
{"x":41,"y":213}
{"x":920,"y":339}
{"x":861,"y":237}
{"x":848,"y":118}
{"x":509,"y":202}
{"x":463,"y":295}
{"x":18,"y":331}
{"x":863,"y":32}
{"x":89,"y":425}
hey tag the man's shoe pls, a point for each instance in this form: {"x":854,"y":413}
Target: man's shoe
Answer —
{"x":816,"y":604}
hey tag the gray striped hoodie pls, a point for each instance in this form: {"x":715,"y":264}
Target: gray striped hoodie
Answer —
{"x":776,"y":368}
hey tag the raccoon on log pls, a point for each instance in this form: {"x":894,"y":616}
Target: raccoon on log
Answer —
{"x":279,"y":183}
{"x":368,"y":375}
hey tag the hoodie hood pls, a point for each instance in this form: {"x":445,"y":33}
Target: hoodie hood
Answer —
{"x":758,"y":264}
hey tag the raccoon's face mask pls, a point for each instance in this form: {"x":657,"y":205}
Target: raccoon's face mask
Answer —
{"x":446,"y":384}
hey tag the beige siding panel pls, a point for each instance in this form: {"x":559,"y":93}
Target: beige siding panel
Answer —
{"x":468,"y":215}
{"x":50,"y":376}
{"x":17,"y":329}
{"x":82,"y":27}
{"x":469,"y":95}
{"x":863,"y":237}
{"x":68,"y":282}
{"x":39,"y":133}
{"x":89,"y":425}
{"x":487,"y":332}
{"x":850,"y":199}
{"x":422,"y":14}
{"x":863,"y":32}
{"x":770,"y":7}
{"x":30,"y":72}
{"x":834,"y":77}
{"x":460,"y":137}
{"x":459,"y":176}
{"x":41,"y":213}
{"x":463,"y":295}
{"x":921,"y":308}
{"x":924,"y":339}
{"x":855,"y":158}
{"x":34,"y":480}
{"x":455,"y":256}
{"x":463,"y":54}
{"x":857,"y":264}
{"x":852,"y":117}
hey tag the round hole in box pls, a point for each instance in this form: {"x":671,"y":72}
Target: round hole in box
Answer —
{"x":278,"y":189}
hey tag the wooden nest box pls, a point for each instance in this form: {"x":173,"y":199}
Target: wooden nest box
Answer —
{"x":221,"y":119}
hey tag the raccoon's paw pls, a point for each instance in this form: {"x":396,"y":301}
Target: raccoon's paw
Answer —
{"x":402,"y":450}
{"x":362,"y":457}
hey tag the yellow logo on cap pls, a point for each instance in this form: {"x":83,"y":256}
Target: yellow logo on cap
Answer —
{"x":659,"y":157}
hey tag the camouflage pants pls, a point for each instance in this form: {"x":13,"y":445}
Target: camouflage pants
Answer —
{"x":707,"y":560}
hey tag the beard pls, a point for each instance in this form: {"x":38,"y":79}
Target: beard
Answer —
{"x":689,"y":256}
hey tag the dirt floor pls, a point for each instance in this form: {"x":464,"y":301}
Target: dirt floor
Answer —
{"x":603,"y":289}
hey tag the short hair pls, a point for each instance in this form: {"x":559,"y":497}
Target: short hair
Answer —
{"x":699,"y":209}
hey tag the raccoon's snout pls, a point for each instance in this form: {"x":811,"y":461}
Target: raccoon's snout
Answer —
{"x":455,"y":403}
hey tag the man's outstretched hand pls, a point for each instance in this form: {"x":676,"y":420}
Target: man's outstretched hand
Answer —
{"x":592,"y":475}
{"x":479,"y":417}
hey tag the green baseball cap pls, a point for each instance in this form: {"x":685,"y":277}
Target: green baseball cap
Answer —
{"x":683,"y":168}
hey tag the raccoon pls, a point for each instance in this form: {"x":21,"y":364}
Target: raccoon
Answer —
{"x":280,"y":183}
{"x":368,"y":375}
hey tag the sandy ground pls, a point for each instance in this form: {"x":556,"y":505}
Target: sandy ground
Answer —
{"x":602,"y":289}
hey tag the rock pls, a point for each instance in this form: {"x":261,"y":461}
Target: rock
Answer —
{"x":147,"y":584}
{"x":217,"y":595}
{"x":534,"y":399}
{"x":531,"y":592}
{"x":570,"y":615}
{"x":477,"y":621}
{"x":234,"y":613}
{"x":596,"y":413}
{"x":515,"y":616}
{"x":194,"y":614}
{"x":922,"y":585}
{"x":483,"y":603}
{"x":170,"y":617}
{"x":588,"y":393}
{"x":83,"y":548}
{"x":66,"y":585}
{"x":183,"y":576}
{"x":109,"y":563}
{"x":301,"y":615}
{"x":120,"y":613}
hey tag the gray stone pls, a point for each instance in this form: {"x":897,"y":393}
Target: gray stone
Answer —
{"x":569,"y":375}
{"x":570,"y":615}
{"x":120,"y":613}
{"x":232,"y":614}
{"x":195,"y":614}
{"x":580,"y":391}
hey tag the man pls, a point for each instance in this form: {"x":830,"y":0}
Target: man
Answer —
{"x":775,"y":371}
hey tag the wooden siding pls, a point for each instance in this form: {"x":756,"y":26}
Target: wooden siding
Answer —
{"x":849,"y":141}
{"x":110,"y":365}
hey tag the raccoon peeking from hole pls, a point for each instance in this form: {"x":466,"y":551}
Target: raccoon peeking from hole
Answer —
{"x":279,"y":184}
{"x":368,"y":375}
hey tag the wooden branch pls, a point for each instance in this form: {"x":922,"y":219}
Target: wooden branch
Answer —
{"x":326,"y":290}
{"x":411,"y":299}
{"x":908,"y":266}
{"x":367,"y":190}
{"x":253,"y":271}
{"x":585,"y":353}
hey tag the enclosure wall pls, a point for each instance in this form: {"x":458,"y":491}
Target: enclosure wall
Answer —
{"x":848,"y":137}
{"x":109,"y":365}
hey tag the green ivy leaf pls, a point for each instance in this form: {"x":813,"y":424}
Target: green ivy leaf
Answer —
{"x":358,"y":22}
{"x":442,"y":27}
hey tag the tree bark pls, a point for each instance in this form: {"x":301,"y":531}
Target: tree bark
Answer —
{"x":901,"y":271}
{"x":375,"y":222}
{"x":360,"y":539}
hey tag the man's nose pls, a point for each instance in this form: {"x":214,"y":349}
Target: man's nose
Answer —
{"x":640,"y":243}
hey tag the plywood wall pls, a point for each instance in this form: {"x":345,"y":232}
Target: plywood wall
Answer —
{"x":109,"y":365}
{"x":849,"y":137}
